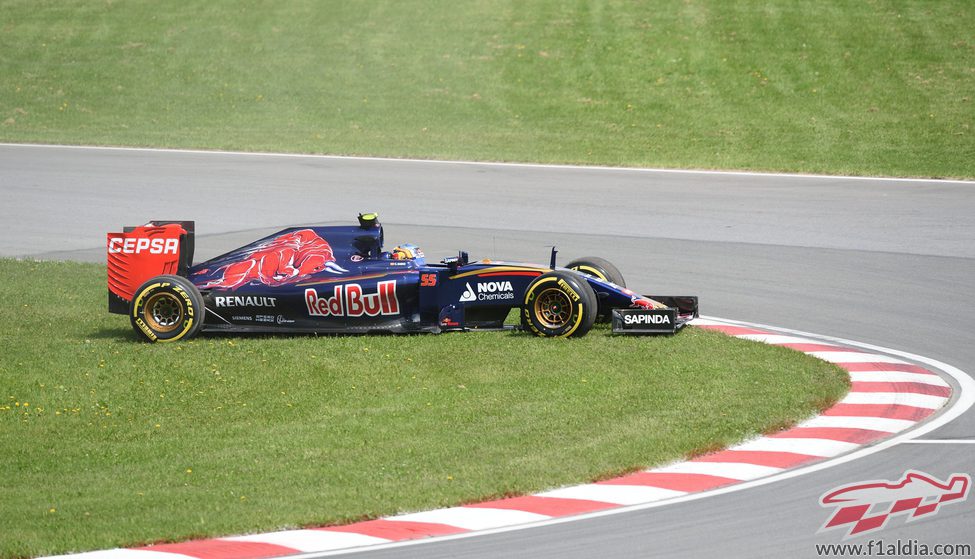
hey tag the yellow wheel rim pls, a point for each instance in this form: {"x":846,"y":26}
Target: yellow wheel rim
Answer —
{"x":553,"y":308}
{"x":164,"y":312}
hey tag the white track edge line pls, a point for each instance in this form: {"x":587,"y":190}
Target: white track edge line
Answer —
{"x":491,"y":163}
{"x":962,"y":400}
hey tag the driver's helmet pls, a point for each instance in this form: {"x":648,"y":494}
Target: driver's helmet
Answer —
{"x":406,"y":252}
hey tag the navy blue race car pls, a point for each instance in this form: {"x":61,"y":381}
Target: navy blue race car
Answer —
{"x":339,"y":279}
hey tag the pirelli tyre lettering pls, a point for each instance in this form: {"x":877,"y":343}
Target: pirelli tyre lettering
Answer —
{"x":559,"y":304}
{"x":167,"y":309}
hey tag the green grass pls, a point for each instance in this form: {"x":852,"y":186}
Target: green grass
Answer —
{"x":108,"y":441}
{"x":877,"y":87}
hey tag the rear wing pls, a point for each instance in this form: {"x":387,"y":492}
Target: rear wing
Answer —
{"x":139,"y":253}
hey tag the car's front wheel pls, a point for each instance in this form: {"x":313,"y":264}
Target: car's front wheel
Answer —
{"x":599,"y":268}
{"x":559,"y":304}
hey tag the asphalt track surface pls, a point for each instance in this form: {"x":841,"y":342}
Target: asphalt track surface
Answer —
{"x":886,"y":262}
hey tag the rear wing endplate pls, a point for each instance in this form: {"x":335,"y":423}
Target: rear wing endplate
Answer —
{"x":138,"y":253}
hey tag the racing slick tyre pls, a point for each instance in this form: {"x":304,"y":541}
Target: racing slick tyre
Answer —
{"x":559,"y":305}
{"x":602,"y":269}
{"x":167,"y":309}
{"x":597,"y":267}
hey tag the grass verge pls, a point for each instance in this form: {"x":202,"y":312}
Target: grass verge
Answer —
{"x":832,"y":86}
{"x":109,"y":442}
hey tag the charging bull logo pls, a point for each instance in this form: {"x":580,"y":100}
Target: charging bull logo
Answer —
{"x":285,"y":259}
{"x":866,"y":506}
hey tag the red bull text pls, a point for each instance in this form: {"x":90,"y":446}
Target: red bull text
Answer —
{"x":349,"y":300}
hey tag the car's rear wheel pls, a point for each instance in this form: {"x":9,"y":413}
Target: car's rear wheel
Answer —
{"x":167,"y":309}
{"x":559,"y":304}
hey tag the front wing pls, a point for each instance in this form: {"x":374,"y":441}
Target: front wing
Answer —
{"x":679,"y":311}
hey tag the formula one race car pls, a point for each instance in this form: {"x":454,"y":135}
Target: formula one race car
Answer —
{"x":338,"y":279}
